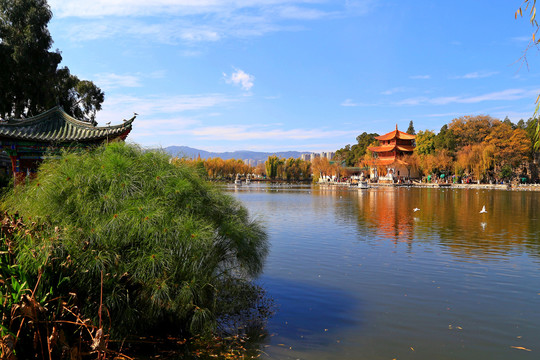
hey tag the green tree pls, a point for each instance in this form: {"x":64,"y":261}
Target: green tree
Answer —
{"x":79,"y":98}
{"x":352,"y":155}
{"x":272,"y":165}
{"x":30,"y":79}
{"x":410,"y":129}
{"x":509,"y":122}
{"x":425,"y":142}
{"x":530,"y":128}
{"x":445,"y":139}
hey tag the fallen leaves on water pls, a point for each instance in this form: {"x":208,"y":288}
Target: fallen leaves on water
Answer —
{"x":520,"y":348}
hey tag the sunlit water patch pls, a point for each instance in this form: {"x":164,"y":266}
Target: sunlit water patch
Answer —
{"x":360,"y":275}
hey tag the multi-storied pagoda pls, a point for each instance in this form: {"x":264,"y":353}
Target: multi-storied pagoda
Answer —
{"x":28,"y":141}
{"x":388,"y":156}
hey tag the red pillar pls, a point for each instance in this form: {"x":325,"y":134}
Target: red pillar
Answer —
{"x":18,"y":177}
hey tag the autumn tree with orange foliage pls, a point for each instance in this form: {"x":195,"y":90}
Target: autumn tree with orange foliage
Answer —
{"x":485,"y":145}
{"x":512,"y":146}
{"x":411,"y":162}
{"x":470,"y":130}
{"x":322,"y":167}
{"x":217,"y":168}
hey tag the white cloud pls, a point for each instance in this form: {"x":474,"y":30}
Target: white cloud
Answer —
{"x":252,"y":132}
{"x":505,"y":95}
{"x":522,"y":39}
{"x":109,"y":80}
{"x":117,"y":107}
{"x":450,"y":114}
{"x":476,"y":75}
{"x":193,"y":20}
{"x":298,"y":9}
{"x":394,"y":90}
{"x":421,"y":77}
{"x":167,"y":32}
{"x":240,"y":78}
{"x":413,"y":101}
{"x":349,"y":102}
{"x":295,"y":12}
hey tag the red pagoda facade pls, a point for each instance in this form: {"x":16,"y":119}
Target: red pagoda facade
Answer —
{"x":388,"y":156}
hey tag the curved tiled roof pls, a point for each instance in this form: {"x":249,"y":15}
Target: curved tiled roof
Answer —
{"x":382,"y":148}
{"x":396,"y":134}
{"x":388,"y":161}
{"x":55,"y":125}
{"x":390,"y":147}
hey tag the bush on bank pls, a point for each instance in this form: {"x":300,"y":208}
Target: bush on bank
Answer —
{"x":167,"y":243}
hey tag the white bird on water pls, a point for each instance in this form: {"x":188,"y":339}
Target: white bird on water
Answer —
{"x":483,"y":211}
{"x":416,"y":209}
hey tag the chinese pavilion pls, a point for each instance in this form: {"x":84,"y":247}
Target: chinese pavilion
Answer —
{"x":28,"y":141}
{"x":389,"y":155}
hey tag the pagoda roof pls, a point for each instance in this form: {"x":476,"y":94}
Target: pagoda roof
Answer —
{"x":56,"y":126}
{"x":388,"y":161}
{"x":390,"y":147}
{"x":396,"y":134}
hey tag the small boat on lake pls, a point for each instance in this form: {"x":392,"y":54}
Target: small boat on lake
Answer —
{"x":363,"y":185}
{"x":248,"y":179}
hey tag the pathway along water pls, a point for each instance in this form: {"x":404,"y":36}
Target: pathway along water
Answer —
{"x":360,"y":275}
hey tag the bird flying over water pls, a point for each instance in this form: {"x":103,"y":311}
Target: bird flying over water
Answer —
{"x":416,"y":209}
{"x":483,"y":210}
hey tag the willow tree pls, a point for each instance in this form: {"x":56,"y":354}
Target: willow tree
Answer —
{"x":530,"y":5}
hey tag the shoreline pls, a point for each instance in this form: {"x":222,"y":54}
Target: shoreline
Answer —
{"x":507,"y":187}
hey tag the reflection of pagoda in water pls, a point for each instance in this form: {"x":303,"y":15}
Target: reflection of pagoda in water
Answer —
{"x":451,"y":220}
{"x":388,"y":163}
{"x":388,"y":211}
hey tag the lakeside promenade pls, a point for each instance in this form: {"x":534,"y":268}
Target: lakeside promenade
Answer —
{"x":511,"y":187}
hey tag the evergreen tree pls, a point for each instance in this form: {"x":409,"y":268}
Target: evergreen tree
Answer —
{"x":30,"y":81}
{"x":410,"y":130}
{"x":352,"y":155}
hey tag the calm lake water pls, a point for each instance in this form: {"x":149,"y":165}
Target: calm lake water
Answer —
{"x":359,"y":275}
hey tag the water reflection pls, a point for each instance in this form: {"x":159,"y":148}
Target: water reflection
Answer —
{"x":446,"y":280}
{"x":452,"y":218}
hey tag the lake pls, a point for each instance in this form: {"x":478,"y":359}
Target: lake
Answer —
{"x":357,"y":274}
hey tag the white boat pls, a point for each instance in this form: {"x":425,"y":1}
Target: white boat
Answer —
{"x":248,"y":179}
{"x":363,"y":185}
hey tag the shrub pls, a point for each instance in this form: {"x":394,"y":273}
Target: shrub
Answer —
{"x":166,"y":241}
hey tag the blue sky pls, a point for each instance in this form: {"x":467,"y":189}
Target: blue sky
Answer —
{"x":306,"y":75}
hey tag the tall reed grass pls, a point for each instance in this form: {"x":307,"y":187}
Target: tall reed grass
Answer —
{"x":168,"y":243}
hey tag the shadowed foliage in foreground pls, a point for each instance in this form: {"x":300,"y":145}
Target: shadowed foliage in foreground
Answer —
{"x":167,"y":242}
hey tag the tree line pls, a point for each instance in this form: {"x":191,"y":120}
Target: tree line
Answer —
{"x":479,"y":146}
{"x":274,"y":168}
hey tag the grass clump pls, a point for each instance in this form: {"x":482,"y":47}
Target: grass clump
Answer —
{"x":167,"y":242}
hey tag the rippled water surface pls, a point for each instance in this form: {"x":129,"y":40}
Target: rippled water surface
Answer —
{"x":359,"y":275}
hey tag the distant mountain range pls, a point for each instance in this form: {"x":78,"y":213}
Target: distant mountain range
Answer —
{"x":186,"y":151}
